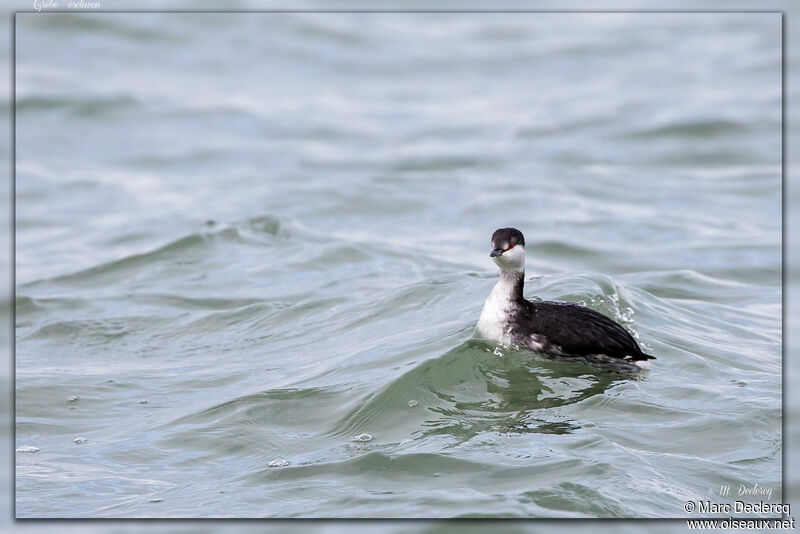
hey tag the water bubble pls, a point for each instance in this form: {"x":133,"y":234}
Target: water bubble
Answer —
{"x":278,"y":462}
{"x":28,"y":448}
{"x":498,"y":352}
{"x":79,"y":441}
{"x":363,"y":437}
{"x":142,"y":402}
{"x":73,"y":398}
{"x":156,"y":500}
{"x":412,"y":403}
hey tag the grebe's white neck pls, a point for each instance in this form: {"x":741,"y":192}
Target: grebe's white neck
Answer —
{"x":510,"y":285}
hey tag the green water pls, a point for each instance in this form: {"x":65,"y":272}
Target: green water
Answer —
{"x":257,"y":239}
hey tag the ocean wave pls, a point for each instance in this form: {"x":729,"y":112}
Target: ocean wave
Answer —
{"x":186,"y":249}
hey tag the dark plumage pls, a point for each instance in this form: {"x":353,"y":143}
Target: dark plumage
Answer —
{"x":569,"y":329}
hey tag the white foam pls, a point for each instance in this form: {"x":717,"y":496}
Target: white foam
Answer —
{"x":27,"y":448}
{"x":278,"y":462}
{"x":363,"y":437}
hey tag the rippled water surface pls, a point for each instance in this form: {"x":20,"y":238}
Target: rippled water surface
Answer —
{"x":251,"y":250}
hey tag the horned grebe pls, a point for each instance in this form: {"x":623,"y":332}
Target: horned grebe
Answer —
{"x":557,"y":328}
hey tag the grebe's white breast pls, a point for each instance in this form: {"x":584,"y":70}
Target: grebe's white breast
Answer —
{"x":494,"y":321}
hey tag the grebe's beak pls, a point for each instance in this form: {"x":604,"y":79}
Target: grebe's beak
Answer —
{"x":496,"y":252}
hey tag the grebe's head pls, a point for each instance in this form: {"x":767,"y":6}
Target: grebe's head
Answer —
{"x":508,"y":249}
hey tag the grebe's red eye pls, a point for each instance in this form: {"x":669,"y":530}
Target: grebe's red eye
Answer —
{"x":510,"y":246}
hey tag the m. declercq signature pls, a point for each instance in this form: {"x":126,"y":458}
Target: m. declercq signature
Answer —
{"x":743,"y":489}
{"x":40,"y":5}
